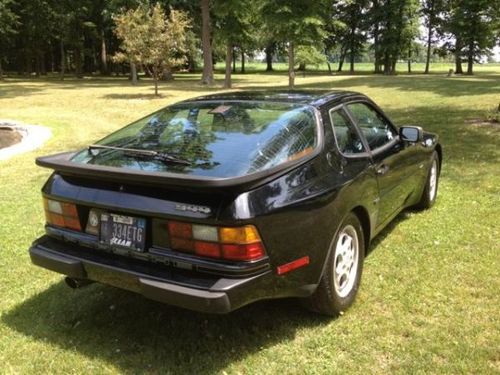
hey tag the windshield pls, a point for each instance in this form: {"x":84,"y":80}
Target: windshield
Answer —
{"x":215,"y":139}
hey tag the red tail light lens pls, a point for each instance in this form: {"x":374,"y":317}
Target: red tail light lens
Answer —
{"x":243,"y":252}
{"x":208,"y":249}
{"x":61,"y":214}
{"x":182,"y":244}
{"x":231,"y":243}
{"x":180,"y":230}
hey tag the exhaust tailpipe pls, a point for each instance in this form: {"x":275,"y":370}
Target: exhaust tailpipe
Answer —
{"x":77,"y":283}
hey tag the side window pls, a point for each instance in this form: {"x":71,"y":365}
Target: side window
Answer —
{"x":347,"y":137}
{"x":375,"y":128}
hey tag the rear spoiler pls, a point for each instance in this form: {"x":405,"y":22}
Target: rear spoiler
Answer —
{"x":62,"y":164}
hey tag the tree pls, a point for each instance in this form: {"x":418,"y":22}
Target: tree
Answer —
{"x":397,"y":27}
{"x":375,"y":18}
{"x":8,"y":21}
{"x":474,"y":25}
{"x":350,"y":29}
{"x":151,"y":40}
{"x":411,"y":32}
{"x":308,"y":55}
{"x":431,"y":11}
{"x":294,"y":22}
{"x":232,"y":29}
{"x":207,"y":77}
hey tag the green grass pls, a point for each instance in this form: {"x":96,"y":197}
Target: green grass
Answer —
{"x":429,"y":300}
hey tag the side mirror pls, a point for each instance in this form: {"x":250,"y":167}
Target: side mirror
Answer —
{"x":412,"y":134}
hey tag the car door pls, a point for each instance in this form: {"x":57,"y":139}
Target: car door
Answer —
{"x":352,"y":164}
{"x":389,"y":157}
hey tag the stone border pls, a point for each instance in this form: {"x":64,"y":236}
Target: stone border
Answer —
{"x":33,"y":137}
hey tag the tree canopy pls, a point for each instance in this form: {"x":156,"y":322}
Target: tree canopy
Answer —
{"x":152,"y":40}
{"x":81,"y":37}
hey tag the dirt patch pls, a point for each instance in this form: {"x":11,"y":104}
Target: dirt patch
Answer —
{"x":482,"y":122}
{"x":9,"y":137}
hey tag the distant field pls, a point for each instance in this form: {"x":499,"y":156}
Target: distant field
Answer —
{"x":364,"y":68}
{"x":429,"y":300}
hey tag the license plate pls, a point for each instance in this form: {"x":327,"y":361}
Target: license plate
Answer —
{"x":123,"y":231}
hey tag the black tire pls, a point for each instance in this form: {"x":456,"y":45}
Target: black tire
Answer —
{"x":329,"y":298}
{"x":429,"y":194}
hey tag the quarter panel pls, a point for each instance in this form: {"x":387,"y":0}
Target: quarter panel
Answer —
{"x":298,"y":214}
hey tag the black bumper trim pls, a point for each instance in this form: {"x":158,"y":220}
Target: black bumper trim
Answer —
{"x":188,"y":298}
{"x":57,"y":263}
{"x":232,"y":295}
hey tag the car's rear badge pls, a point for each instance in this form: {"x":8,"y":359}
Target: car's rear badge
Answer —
{"x":192,"y":208}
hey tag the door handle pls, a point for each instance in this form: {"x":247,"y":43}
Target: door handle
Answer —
{"x":383,"y":169}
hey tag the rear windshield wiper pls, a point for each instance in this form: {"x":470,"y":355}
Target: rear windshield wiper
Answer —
{"x":146,"y":154}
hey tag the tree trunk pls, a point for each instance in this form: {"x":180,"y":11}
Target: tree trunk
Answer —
{"x":393,"y":66}
{"x":429,"y":38}
{"x":269,"y":57}
{"x":341,"y":60}
{"x":387,"y":64}
{"x":28,"y":64}
{"x":352,"y":51}
{"x":229,"y":57}
{"x":376,"y":47}
{"x":52,"y":60}
{"x":104,"y":55}
{"x":63,"y":60}
{"x":291,"y":64}
{"x":458,"y":58}
{"x":191,"y":63}
{"x":351,"y":67}
{"x":207,"y":77}
{"x":329,"y":67}
{"x":242,"y":61}
{"x":1,"y":69}
{"x":470,"y":59}
{"x":302,"y":67}
{"x":409,"y":59}
{"x":234,"y":59}
{"x":78,"y":62}
{"x":341,"y":64}
{"x":133,"y":73}
{"x":429,"y":46}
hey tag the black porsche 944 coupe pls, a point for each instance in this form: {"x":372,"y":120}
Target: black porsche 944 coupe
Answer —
{"x":215,"y":202}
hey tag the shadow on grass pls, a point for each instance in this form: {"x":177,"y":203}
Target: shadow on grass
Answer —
{"x":482,"y":83}
{"x":402,"y":216}
{"x":449,"y":87}
{"x":137,"y":335}
{"x":15,"y":87}
{"x":136,"y":96}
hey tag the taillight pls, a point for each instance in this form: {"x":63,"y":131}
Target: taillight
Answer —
{"x":61,"y":214}
{"x":231,"y":243}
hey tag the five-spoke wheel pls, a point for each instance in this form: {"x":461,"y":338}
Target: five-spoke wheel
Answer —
{"x":340,"y":281}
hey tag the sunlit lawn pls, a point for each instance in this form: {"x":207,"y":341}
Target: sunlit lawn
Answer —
{"x":429,"y":300}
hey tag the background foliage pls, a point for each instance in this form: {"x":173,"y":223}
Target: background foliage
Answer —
{"x":41,"y":36}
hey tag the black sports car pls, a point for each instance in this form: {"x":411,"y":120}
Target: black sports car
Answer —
{"x":215,"y":202}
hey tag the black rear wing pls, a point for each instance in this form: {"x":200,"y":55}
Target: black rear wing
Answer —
{"x":62,"y":164}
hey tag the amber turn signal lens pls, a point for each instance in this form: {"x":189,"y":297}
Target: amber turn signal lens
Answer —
{"x":240,"y":235}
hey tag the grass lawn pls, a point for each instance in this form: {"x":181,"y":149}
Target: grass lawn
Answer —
{"x":429,"y":300}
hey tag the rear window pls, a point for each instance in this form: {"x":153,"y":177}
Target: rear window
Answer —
{"x":215,"y":139}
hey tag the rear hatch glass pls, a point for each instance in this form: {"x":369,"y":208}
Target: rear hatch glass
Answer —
{"x":213,"y":139}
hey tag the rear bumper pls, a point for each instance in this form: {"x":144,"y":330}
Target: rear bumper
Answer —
{"x":200,"y":293}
